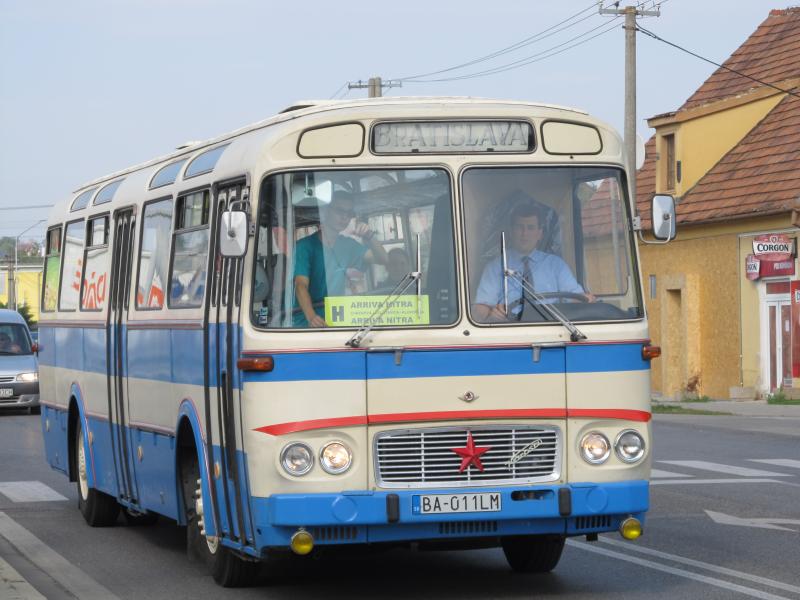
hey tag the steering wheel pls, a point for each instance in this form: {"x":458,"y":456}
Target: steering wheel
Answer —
{"x":567,"y":295}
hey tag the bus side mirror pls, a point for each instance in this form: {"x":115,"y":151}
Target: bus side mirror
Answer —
{"x":233,"y":233}
{"x":663,"y":217}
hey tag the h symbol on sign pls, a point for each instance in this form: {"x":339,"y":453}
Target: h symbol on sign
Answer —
{"x":337,"y":313}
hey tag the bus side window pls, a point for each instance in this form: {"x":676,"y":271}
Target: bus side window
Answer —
{"x":154,"y":255}
{"x":52,"y":269}
{"x":95,"y":273}
{"x":72,"y":267}
{"x":190,"y":248}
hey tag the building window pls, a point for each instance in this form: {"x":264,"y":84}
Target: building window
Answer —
{"x":669,"y":152}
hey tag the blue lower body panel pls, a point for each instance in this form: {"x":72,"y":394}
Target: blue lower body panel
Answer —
{"x":363,"y":517}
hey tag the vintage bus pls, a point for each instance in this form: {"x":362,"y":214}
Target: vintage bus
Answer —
{"x":378,"y":321}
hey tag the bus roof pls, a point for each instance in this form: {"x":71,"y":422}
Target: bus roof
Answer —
{"x":304,"y":108}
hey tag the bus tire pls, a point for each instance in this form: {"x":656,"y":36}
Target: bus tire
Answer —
{"x":533,"y":553}
{"x":227,"y":568}
{"x":97,"y":508}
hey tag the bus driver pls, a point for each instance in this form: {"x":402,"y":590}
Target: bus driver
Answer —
{"x":544,"y":272}
{"x":322,"y":259}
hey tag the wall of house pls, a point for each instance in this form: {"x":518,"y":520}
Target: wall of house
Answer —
{"x":701,"y":142}
{"x":694,"y":315}
{"x":705,"y":313}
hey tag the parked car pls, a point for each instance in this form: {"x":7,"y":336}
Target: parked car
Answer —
{"x":19,"y":369}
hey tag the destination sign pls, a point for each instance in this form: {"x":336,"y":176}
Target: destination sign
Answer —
{"x":448,"y":137}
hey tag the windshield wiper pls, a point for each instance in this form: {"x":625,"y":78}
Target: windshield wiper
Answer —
{"x":399,"y":290}
{"x":528,"y":292}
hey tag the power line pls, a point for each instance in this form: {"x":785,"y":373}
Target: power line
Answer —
{"x":539,"y":56}
{"x":337,"y":92}
{"x":708,"y":60}
{"x":528,"y":40}
{"x":27,"y":206}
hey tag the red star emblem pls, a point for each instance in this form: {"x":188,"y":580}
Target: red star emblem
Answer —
{"x":471,"y":455}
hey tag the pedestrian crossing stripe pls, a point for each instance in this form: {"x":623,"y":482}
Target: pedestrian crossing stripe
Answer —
{"x":722,"y":468}
{"x":29,"y":491}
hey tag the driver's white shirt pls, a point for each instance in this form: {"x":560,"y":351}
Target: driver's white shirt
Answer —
{"x":550,"y":274}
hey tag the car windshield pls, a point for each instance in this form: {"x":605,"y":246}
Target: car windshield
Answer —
{"x":14,"y":339}
{"x":336,"y":248}
{"x":548,"y":235}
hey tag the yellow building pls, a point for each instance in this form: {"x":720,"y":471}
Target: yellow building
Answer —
{"x":29,"y":287}
{"x":724,"y":296}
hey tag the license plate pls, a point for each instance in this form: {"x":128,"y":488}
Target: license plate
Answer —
{"x":438,"y":504}
{"x":6,"y":392}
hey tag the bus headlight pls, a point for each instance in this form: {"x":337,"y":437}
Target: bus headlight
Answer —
{"x":297,"y":459}
{"x":335,"y":458}
{"x":28,"y":377}
{"x":595,"y":448}
{"x":629,"y":446}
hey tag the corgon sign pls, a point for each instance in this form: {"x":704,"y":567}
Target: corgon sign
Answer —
{"x":773,"y":247}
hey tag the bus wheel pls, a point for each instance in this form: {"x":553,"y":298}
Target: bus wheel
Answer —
{"x":533,"y":553}
{"x":227,"y":569}
{"x":99,"y":509}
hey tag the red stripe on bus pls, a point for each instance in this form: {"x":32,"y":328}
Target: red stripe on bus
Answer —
{"x":612,"y":413}
{"x":296,"y":426}
{"x":541,"y":413}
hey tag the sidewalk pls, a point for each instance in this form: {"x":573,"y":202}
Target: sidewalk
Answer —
{"x":749,"y":408}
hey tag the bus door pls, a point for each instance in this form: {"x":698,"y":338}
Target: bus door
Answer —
{"x":223,"y":392}
{"x":116,"y":355}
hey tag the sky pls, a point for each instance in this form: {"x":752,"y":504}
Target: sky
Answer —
{"x":89,"y":87}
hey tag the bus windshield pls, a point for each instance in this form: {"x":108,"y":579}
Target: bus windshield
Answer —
{"x":342,"y":249}
{"x":559,"y":236}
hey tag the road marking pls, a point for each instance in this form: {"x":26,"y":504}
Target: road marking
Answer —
{"x":659,"y":474}
{"x":702,"y":565}
{"x":14,"y":587}
{"x":720,"y":468}
{"x":679,"y":572}
{"x":29,"y":491}
{"x":761,"y":523}
{"x":778,"y":462}
{"x":73,"y":579}
{"x":696,"y":481}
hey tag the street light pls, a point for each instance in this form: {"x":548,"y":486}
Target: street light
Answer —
{"x":16,"y":245}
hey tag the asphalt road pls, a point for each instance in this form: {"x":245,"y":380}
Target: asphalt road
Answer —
{"x":724,"y":523}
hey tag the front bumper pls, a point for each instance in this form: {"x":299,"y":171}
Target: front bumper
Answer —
{"x":24,"y":395}
{"x":388,"y":516}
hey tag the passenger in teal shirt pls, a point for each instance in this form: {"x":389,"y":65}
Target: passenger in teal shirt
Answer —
{"x":323,"y":258}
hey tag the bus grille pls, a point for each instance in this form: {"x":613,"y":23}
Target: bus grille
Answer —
{"x":425,"y":457}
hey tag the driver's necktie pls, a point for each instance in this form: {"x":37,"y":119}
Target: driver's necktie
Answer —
{"x":527,"y":278}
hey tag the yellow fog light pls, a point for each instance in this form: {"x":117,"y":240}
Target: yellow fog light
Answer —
{"x":630,"y":528}
{"x":302,"y":542}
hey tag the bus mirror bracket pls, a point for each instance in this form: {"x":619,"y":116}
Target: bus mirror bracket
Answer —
{"x":233,"y":234}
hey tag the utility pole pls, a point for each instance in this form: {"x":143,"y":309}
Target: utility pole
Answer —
{"x":374,"y":86}
{"x":630,"y":12}
{"x":12,"y":288}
